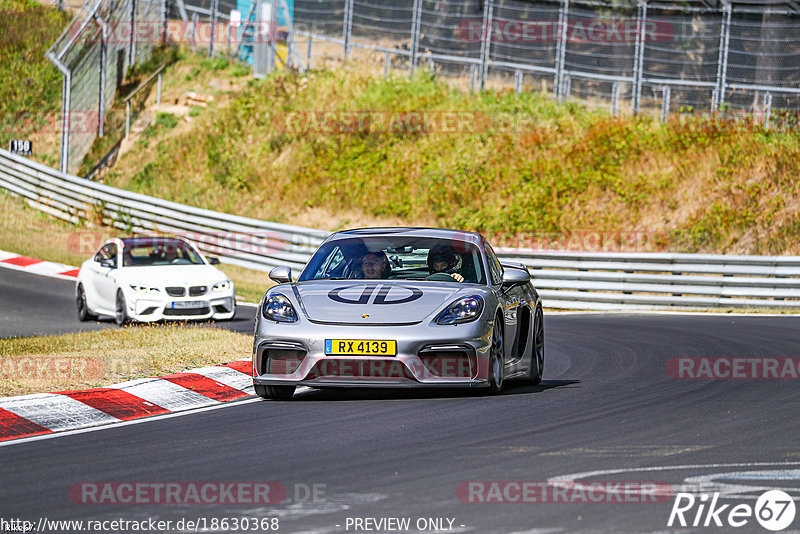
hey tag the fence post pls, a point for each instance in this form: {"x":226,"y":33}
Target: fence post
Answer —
{"x":101,"y":101}
{"x":767,"y":108}
{"x":347,"y":28}
{"x":638,"y":67}
{"x":213,"y":32}
{"x":127,"y":118}
{"x":473,"y":77}
{"x":561,"y":46}
{"x":517,"y":81}
{"x":615,"y":98}
{"x":722,"y":61}
{"x":567,"y":89}
{"x":665,"y":96}
{"x":486,"y":40}
{"x":164,"y":21}
{"x":415,"y":24}
{"x":272,"y":36}
{"x":195,"y":22}
{"x":134,"y":27}
{"x":310,"y":50}
{"x":158,"y":93}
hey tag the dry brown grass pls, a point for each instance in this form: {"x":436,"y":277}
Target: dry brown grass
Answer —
{"x":93,"y":359}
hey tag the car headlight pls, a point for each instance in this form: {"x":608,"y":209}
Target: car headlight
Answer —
{"x":278,"y":308}
{"x":463,"y":310}
{"x":145,"y":290}
{"x":222,"y":286}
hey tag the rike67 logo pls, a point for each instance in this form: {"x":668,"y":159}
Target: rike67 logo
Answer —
{"x":774,"y":510}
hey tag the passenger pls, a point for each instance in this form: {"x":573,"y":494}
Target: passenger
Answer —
{"x":442,"y":259}
{"x":375,"y":265}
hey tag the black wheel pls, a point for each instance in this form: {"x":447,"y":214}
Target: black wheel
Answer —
{"x":274,"y":392}
{"x":496,"y":359}
{"x":537,"y":356}
{"x":83,"y":309}
{"x":121,"y":315}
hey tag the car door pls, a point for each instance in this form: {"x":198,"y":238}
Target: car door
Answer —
{"x":101,"y":284}
{"x":509,"y":301}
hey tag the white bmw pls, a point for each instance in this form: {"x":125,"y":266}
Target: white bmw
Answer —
{"x":147,"y":279}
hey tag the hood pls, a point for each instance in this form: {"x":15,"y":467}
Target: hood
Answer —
{"x":171,"y":275}
{"x":384,"y":301}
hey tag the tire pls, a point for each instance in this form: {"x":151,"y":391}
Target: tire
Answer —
{"x":121,"y":309}
{"x":496,"y":359}
{"x":83,"y":309}
{"x":274,"y":392}
{"x":537,"y":356}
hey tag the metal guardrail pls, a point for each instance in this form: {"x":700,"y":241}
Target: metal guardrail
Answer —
{"x":577,"y":280}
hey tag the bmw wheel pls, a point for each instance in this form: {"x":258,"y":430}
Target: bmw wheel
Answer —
{"x":496,"y":360}
{"x":274,"y":392}
{"x":537,"y":357}
{"x":83,"y":309}
{"x":121,"y":315}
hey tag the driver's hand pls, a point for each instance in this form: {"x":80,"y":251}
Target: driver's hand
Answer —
{"x":457,"y":277}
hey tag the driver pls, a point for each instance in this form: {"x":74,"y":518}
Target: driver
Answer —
{"x":442,"y":259}
{"x":375,"y":265}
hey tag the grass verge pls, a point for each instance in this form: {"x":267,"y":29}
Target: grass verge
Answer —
{"x":93,"y":359}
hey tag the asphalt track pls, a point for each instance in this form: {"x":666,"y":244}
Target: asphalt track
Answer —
{"x":607,"y":406}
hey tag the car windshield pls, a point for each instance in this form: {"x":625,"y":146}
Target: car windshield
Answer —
{"x":395,"y":257}
{"x":150,"y":252}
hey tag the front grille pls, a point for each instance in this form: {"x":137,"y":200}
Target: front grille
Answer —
{"x":449,"y":363}
{"x":196,"y":291}
{"x":186,"y":312}
{"x":176,"y":291}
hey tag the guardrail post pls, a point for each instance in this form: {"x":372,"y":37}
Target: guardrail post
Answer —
{"x":127,"y":118}
{"x":347,"y":28}
{"x":310,"y":50}
{"x":638,"y":67}
{"x":517,"y":81}
{"x":561,"y":47}
{"x":722,"y":62}
{"x":387,"y":65}
{"x":486,"y":40}
{"x":567,"y":89}
{"x":665,"y":95}
{"x":213,"y":32}
{"x":615,"y":98}
{"x":473,"y":77}
{"x":415,"y":25}
{"x":767,"y":108}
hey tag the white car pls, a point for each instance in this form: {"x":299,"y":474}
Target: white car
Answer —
{"x":147,"y":279}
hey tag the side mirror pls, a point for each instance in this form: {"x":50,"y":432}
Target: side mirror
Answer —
{"x":213,"y":260}
{"x":108,"y":263}
{"x":281,"y":275}
{"x":515,"y":277}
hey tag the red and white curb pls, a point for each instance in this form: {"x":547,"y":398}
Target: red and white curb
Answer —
{"x":15,"y":261}
{"x":47,"y":413}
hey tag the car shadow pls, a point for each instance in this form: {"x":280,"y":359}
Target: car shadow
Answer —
{"x":384,"y":394}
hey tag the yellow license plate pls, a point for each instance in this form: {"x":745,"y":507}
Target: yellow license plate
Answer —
{"x":361,"y":347}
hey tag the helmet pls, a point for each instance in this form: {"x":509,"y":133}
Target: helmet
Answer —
{"x":443,"y":253}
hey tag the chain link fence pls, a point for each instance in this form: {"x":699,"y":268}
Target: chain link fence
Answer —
{"x":94,"y":53}
{"x":667,"y":57}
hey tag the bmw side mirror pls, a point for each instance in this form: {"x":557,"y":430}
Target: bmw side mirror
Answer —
{"x":515,"y":277}
{"x":213,"y":260}
{"x":108,"y":263}
{"x":281,"y":275}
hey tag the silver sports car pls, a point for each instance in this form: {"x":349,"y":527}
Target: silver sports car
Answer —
{"x":399,"y":307}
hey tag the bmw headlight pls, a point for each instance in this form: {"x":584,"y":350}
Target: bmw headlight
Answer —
{"x":463,"y":310}
{"x":222,"y":286}
{"x":278,"y":308}
{"x":145,"y":290}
